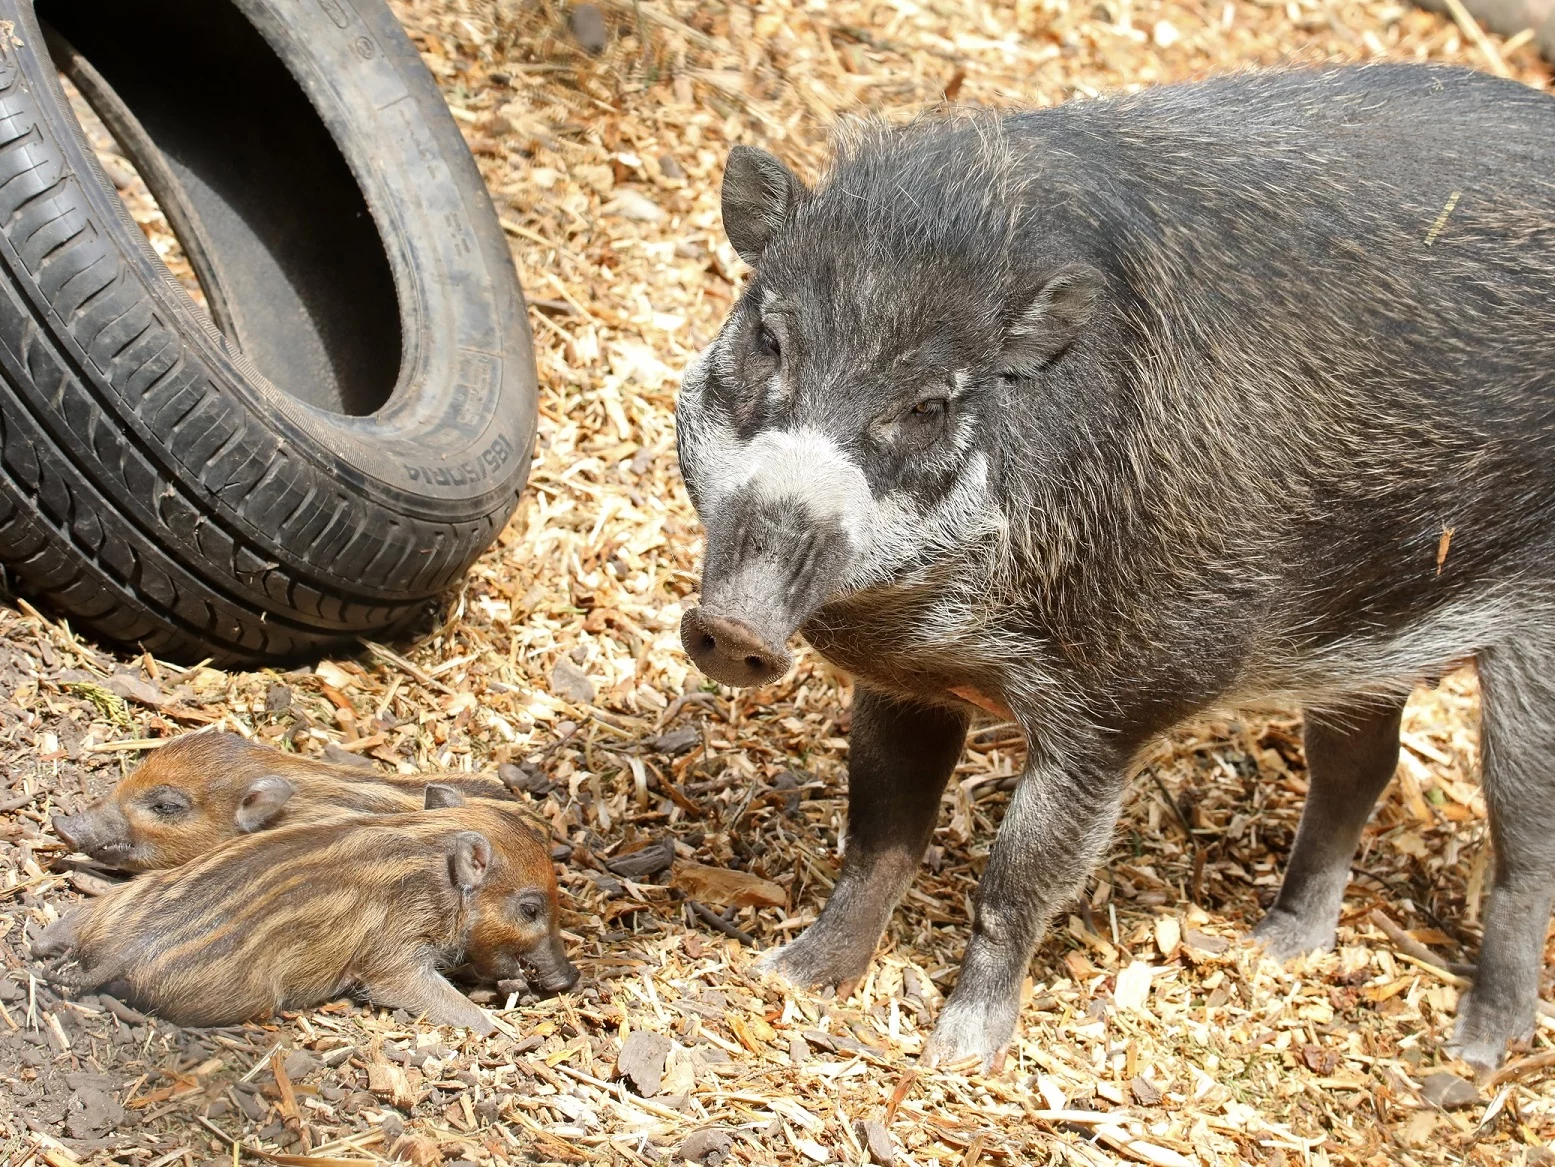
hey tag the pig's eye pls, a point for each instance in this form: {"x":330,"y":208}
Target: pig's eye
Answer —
{"x":166,"y":803}
{"x":530,"y":910}
{"x":767,"y":342}
{"x":929,"y":410}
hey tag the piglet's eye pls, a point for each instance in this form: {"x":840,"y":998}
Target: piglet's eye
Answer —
{"x":529,"y":911}
{"x":165,"y":802}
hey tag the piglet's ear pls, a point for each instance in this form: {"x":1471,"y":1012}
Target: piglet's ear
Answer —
{"x":759,"y":193}
{"x":439,"y":794}
{"x":1053,"y":319}
{"x":470,"y":860}
{"x":262,"y":801}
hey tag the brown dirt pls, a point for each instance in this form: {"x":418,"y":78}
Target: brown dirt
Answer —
{"x":560,"y":654}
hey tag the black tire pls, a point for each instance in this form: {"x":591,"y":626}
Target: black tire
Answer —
{"x":362,"y":436}
{"x":1507,"y":18}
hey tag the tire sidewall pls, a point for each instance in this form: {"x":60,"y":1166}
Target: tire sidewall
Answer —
{"x":452,"y":443}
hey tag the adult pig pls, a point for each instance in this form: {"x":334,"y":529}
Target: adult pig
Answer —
{"x":1110,"y":414}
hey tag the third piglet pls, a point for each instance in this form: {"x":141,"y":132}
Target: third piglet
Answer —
{"x":205,"y":788}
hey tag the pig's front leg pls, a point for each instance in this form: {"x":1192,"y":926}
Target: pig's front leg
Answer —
{"x":60,"y":936}
{"x":1055,"y":831}
{"x":420,"y":989}
{"x":900,"y":755}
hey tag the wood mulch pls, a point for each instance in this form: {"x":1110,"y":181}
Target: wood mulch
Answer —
{"x":1151,"y":1032}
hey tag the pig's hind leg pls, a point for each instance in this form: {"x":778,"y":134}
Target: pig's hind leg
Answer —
{"x":420,"y":989}
{"x":900,"y":755}
{"x":1517,"y":750}
{"x":1352,"y":752}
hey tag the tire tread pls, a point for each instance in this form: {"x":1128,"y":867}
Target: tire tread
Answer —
{"x":131,"y":485}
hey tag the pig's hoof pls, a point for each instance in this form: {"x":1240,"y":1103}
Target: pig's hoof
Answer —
{"x":1483,"y":1031}
{"x":811,"y":963}
{"x":962,"y":1035}
{"x":1284,"y":936}
{"x":58,"y":938}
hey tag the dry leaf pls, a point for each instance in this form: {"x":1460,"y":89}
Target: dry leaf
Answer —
{"x":334,"y":676}
{"x":722,"y":886}
{"x":392,"y":1084}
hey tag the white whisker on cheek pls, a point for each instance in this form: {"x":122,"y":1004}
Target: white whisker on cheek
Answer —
{"x":712,"y":457}
{"x":779,"y":390}
{"x":904,"y":534}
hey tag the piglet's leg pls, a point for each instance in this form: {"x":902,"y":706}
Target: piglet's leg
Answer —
{"x":1057,"y":827}
{"x":421,"y":989}
{"x":900,"y":755}
{"x":60,"y":936}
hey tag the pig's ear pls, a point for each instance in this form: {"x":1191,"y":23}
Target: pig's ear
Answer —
{"x":439,"y":794}
{"x":1052,"y":320}
{"x":759,"y":192}
{"x":262,"y":800}
{"x":469,"y":860}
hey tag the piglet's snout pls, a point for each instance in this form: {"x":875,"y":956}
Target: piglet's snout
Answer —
{"x":100,"y":833}
{"x":70,"y":828}
{"x":561,"y":980}
{"x":730,"y":650}
{"x":554,"y":973}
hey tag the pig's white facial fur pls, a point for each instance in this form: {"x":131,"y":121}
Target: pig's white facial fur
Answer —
{"x":805,"y":468}
{"x":889,"y":535}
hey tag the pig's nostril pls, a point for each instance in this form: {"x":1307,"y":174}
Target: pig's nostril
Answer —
{"x":730,"y":650}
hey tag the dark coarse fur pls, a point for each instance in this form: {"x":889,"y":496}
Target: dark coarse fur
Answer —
{"x":204,"y":788}
{"x":293,"y":917}
{"x":1131,"y":409}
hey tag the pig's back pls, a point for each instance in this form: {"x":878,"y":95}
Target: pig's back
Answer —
{"x":485,"y":786}
{"x":1394,"y":219}
{"x":1336,"y":299}
{"x":324,"y":789}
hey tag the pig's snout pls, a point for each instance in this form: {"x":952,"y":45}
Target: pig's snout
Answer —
{"x":553,"y":972}
{"x":729,"y":650}
{"x":94,"y":832}
{"x":70,"y":828}
{"x":771,"y":562}
{"x":779,"y":545}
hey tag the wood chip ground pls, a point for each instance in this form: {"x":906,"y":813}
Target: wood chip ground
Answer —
{"x":1151,"y":1033}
